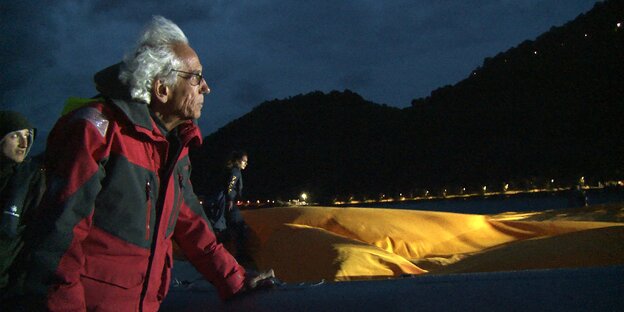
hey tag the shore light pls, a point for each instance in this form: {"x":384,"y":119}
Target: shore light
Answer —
{"x":304,"y":196}
{"x":618,"y":25}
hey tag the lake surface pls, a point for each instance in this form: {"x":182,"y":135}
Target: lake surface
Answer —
{"x":507,"y":203}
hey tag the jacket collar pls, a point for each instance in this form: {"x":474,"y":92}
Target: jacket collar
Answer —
{"x":139,"y":115}
{"x":190,"y":134}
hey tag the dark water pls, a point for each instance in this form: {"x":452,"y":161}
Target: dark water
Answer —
{"x":508,"y":203}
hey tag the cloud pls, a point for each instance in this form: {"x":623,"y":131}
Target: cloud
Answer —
{"x":250,"y":93}
{"x":179,"y":11}
{"x":25,"y":47}
{"x":252,"y":51}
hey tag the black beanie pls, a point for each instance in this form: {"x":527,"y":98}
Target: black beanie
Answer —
{"x":12,"y":121}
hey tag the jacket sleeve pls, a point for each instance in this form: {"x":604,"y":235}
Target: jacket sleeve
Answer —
{"x":198,"y":242}
{"x":233,"y":185}
{"x":76,"y":147}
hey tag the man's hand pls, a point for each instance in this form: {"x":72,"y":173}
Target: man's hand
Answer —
{"x":230,"y":204}
{"x":258,"y":281}
{"x":255,"y":280}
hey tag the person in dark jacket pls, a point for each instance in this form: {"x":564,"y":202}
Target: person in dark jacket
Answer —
{"x":223,"y":212}
{"x":577,"y":197}
{"x":22,"y":184}
{"x":119,"y":189}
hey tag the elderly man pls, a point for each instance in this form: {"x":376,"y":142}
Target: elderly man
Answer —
{"x":120,"y":191}
{"x":22,"y":184}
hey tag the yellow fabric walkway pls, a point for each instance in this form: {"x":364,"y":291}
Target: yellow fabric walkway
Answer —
{"x":340,"y":244}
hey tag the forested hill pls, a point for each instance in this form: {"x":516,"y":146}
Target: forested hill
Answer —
{"x":548,"y":108}
{"x":322,"y":143}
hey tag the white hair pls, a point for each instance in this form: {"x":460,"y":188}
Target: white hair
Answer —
{"x":153,"y":58}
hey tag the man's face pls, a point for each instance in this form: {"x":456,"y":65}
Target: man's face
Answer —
{"x":15,"y":145}
{"x":187,"y":97}
{"x":243,"y":163}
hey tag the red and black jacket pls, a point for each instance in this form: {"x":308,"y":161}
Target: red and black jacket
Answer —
{"x":113,"y":209}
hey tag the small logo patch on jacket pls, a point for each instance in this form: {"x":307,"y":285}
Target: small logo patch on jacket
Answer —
{"x":95,"y":117}
{"x":12,"y":211}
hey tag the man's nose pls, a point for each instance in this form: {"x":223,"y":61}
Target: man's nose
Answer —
{"x":204,"y":89}
{"x":23,"y":141}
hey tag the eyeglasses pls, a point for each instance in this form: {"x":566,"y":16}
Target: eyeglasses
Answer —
{"x":195,"y":79}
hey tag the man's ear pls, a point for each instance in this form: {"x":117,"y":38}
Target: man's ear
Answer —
{"x":161,"y":91}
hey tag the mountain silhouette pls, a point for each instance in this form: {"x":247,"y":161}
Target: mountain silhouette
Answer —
{"x":551,"y":108}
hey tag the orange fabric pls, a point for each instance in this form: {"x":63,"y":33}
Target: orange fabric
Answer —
{"x":340,"y":244}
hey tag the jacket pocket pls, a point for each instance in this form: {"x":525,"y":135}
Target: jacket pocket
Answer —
{"x":166,"y":276}
{"x":124,"y":275}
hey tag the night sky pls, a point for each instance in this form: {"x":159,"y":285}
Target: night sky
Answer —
{"x":390,"y":52}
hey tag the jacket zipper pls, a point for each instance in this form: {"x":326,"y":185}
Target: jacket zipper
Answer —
{"x":179,"y":203}
{"x":148,"y":211}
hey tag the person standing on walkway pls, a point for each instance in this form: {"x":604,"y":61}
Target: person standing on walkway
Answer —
{"x":224,"y":214}
{"x":22,"y":183}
